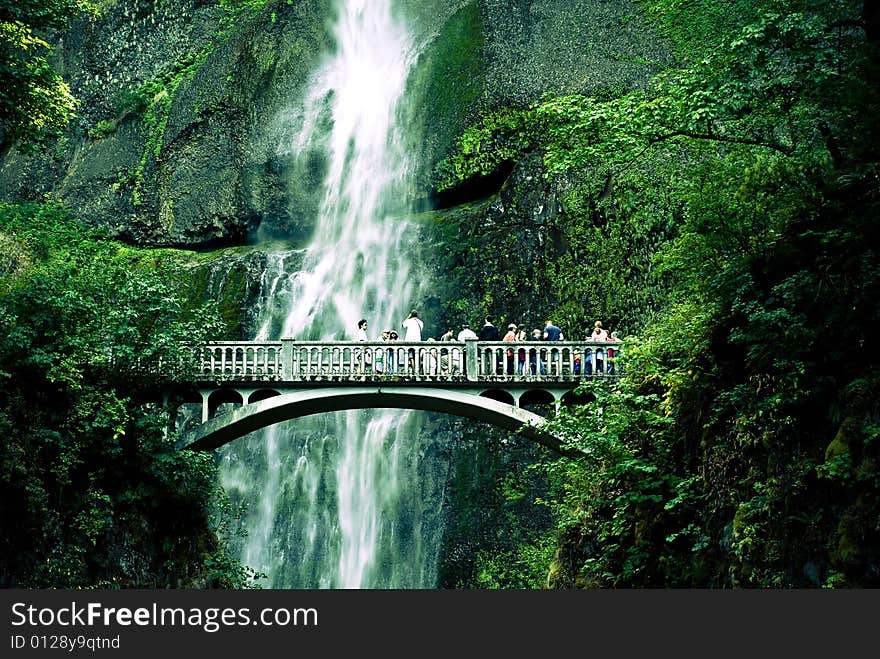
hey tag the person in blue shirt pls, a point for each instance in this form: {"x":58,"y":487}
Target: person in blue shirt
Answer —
{"x":551,"y":332}
{"x":488,"y":332}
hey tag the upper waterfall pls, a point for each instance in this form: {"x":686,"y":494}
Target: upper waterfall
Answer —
{"x":355,"y":263}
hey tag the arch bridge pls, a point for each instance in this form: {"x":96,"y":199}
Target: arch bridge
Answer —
{"x":268,"y":382}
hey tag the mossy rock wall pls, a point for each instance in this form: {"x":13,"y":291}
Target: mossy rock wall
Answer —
{"x":496,"y":239}
{"x":492,"y":54}
{"x":195,"y":162}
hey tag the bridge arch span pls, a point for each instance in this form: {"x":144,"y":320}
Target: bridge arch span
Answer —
{"x":246,"y":419}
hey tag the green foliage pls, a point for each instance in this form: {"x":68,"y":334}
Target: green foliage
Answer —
{"x":93,"y":491}
{"x":501,"y":136}
{"x":35,"y":103}
{"x":238,"y":6}
{"x":727,"y":215}
{"x":102,"y":129}
{"x":524,"y":567}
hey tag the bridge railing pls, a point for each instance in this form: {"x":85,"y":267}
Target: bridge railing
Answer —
{"x":257,"y":360}
{"x":452,"y":361}
{"x":546,"y":360}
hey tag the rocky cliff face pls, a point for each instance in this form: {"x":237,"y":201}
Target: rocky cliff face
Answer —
{"x":173,"y":142}
{"x":491,"y":54}
{"x":496,"y":239}
{"x":180,"y":130}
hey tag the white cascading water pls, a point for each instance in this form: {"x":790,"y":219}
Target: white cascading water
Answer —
{"x":344,"y":500}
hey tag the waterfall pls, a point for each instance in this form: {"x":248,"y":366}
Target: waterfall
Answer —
{"x":344,"y":500}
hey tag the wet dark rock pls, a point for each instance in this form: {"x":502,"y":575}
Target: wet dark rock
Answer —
{"x":200,"y":167}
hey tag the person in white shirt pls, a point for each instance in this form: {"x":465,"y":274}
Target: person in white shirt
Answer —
{"x":363,"y":358}
{"x":599,"y":334}
{"x":413,"y":326}
{"x":362,"y":330}
{"x":465,"y":333}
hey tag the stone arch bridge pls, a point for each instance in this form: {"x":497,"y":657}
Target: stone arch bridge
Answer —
{"x":272,"y":381}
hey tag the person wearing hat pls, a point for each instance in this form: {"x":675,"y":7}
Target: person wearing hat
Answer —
{"x":380,"y":354}
{"x":392,"y":336}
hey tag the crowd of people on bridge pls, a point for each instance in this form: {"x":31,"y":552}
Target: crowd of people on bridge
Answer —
{"x":519,"y":361}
